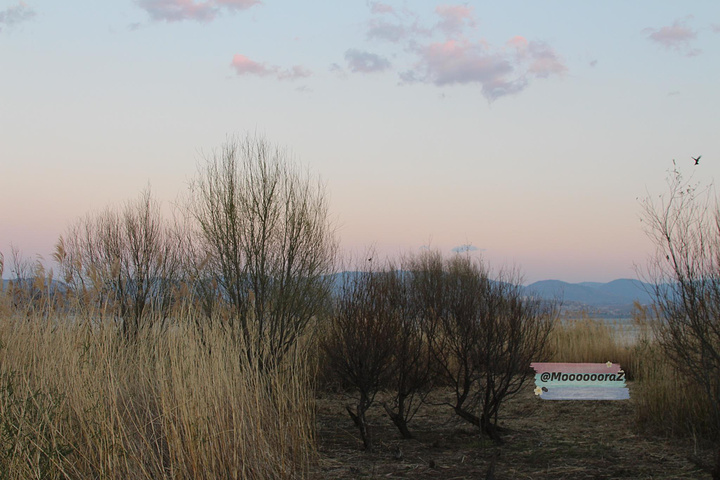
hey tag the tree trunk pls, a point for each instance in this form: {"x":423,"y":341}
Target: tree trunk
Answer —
{"x":489,"y":428}
{"x":399,"y":420}
{"x":358,"y":419}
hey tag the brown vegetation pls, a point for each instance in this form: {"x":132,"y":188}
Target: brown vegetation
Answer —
{"x":194,"y":350}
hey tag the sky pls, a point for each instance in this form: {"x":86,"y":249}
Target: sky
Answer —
{"x":522,"y":131}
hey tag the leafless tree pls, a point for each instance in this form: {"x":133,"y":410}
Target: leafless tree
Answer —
{"x":25,"y":288}
{"x":266,"y":228}
{"x":483,"y":333}
{"x":684,"y":225}
{"x":125,"y":260}
{"x":361,"y":338}
{"x":412,"y":364}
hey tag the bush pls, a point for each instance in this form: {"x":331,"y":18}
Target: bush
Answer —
{"x":482,"y":332}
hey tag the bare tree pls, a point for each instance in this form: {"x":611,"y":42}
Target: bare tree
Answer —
{"x":266,"y":228}
{"x":361,"y":338}
{"x":24,"y":288}
{"x":684,"y":225}
{"x":483,"y":333}
{"x":412,"y":364}
{"x":127,"y":261}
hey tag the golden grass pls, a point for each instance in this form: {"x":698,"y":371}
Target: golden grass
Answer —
{"x":586,"y":340}
{"x":77,"y":402}
{"x":666,"y":402}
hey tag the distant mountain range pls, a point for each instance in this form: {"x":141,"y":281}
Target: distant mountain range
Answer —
{"x":618,"y":292}
{"x":613,"y":298}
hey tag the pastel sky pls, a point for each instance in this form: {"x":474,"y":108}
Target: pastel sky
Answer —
{"x":526,"y":129}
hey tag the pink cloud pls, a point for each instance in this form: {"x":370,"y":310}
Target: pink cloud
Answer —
{"x":499,"y":72}
{"x":459,"y":60}
{"x":17,"y":14}
{"x":179,"y":10}
{"x":245,"y":66}
{"x":380,"y":8}
{"x":454,"y":18}
{"x":518,"y":42}
{"x":454,"y":62}
{"x":675,"y":37}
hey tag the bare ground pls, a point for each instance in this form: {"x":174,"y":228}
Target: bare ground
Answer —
{"x":546,"y":440}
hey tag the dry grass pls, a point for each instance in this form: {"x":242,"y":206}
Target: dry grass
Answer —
{"x":75,"y":402}
{"x":586,"y":340}
{"x":666,"y":403}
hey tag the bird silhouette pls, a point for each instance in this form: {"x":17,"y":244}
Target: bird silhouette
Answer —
{"x":697,"y":160}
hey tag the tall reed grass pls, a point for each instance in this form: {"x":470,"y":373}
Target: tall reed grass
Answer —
{"x":583,"y":339}
{"x":78,"y":402}
{"x":665,"y":402}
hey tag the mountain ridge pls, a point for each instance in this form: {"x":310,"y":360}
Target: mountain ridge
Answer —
{"x":615,"y":297}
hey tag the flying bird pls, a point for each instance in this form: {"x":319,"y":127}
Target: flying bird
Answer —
{"x":697,"y":160}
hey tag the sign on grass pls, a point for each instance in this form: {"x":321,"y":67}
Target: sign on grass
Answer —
{"x":580,"y":381}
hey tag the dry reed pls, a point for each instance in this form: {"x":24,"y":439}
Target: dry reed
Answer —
{"x":666,"y":403}
{"x":586,"y":340}
{"x":77,"y":402}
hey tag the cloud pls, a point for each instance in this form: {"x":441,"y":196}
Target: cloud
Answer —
{"x":237,"y":4}
{"x":454,"y":18}
{"x":541,"y":60}
{"x":466,"y":248}
{"x":677,"y":36}
{"x":403,"y":26}
{"x":293,"y":73}
{"x":380,"y":8}
{"x":382,"y":30}
{"x":13,"y":15}
{"x":245,"y":66}
{"x":455,"y":62}
{"x":456,"y":58}
{"x":179,"y":10}
{"x":673,"y":93}
{"x":499,"y":72}
{"x":365,"y":62}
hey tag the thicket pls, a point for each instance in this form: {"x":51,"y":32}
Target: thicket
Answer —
{"x":435,"y":322}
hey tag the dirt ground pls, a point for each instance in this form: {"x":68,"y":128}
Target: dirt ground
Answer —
{"x":546,"y":440}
